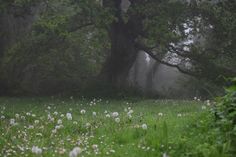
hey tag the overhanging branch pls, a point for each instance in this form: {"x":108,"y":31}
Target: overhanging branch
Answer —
{"x":155,"y":57}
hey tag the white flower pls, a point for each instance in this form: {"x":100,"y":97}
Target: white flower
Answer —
{"x":17,"y":115}
{"x":105,"y":112}
{"x":144,"y":126}
{"x":69,"y":116}
{"x":75,"y":152}
{"x":130,"y":111}
{"x":75,"y":122}
{"x":58,"y":127}
{"x":54,"y":131}
{"x":87,"y":125}
{"x":36,"y":121}
{"x":112,"y":151}
{"x":94,"y":113}
{"x":12,"y":121}
{"x":115,"y":114}
{"x":59,"y":121}
{"x":95,"y":146}
{"x":179,"y":115}
{"x":82,"y":111}
{"x":208,"y":103}
{"x":165,"y":155}
{"x":52,"y":119}
{"x":195,"y":98}
{"x":203,"y":107}
{"x":160,"y":114}
{"x":36,"y":150}
{"x":130,"y":116}
{"x":2,"y":117}
{"x":108,"y":115}
{"x":49,"y":116}
{"x":55,"y":113}
{"x":31,"y":127}
{"x":28,"y":114}
{"x":117,"y":120}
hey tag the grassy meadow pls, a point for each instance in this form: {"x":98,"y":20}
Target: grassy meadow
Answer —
{"x":71,"y":127}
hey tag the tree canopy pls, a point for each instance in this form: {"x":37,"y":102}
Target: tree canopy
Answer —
{"x":57,"y":45}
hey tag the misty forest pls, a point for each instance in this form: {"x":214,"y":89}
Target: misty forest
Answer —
{"x":118,"y":78}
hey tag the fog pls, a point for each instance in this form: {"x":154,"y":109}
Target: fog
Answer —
{"x":152,"y":77}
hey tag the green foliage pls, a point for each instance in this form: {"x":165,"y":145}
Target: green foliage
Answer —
{"x":55,"y":57}
{"x":226,"y":113}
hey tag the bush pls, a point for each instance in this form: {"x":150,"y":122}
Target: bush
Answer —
{"x":225,"y":112}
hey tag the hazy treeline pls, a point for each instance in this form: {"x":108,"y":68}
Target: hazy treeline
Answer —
{"x":51,"y":47}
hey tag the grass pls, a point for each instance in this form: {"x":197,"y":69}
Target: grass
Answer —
{"x":174,"y":128}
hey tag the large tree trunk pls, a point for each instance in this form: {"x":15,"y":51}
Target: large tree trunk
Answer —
{"x":123,"y":51}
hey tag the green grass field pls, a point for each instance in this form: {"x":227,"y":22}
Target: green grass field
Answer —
{"x":114,"y":128}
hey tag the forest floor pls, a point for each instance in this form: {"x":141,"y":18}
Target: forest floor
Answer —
{"x":115,"y":128}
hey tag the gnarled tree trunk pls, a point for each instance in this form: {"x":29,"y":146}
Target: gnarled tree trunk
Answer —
{"x":123,"y":51}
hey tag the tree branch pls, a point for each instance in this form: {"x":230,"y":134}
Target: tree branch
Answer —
{"x":73,"y":29}
{"x":155,"y":57}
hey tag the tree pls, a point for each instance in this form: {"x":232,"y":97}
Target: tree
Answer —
{"x":166,"y":27}
{"x":195,"y":37}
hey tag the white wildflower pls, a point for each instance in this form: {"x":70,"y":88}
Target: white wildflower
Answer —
{"x":144,"y":126}
{"x":87,"y":125}
{"x":28,"y":114}
{"x":203,"y":107}
{"x":165,"y":155}
{"x":12,"y":122}
{"x":94,"y":113}
{"x":117,"y":120}
{"x":31,"y":127}
{"x":69,"y":116}
{"x":82,"y":111}
{"x":179,"y":115}
{"x":17,"y":116}
{"x":36,"y":121}
{"x":75,"y":152}
{"x":59,"y":121}
{"x":115,"y":114}
{"x":36,"y":150}
{"x":95,"y":146}
{"x":55,"y":113}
